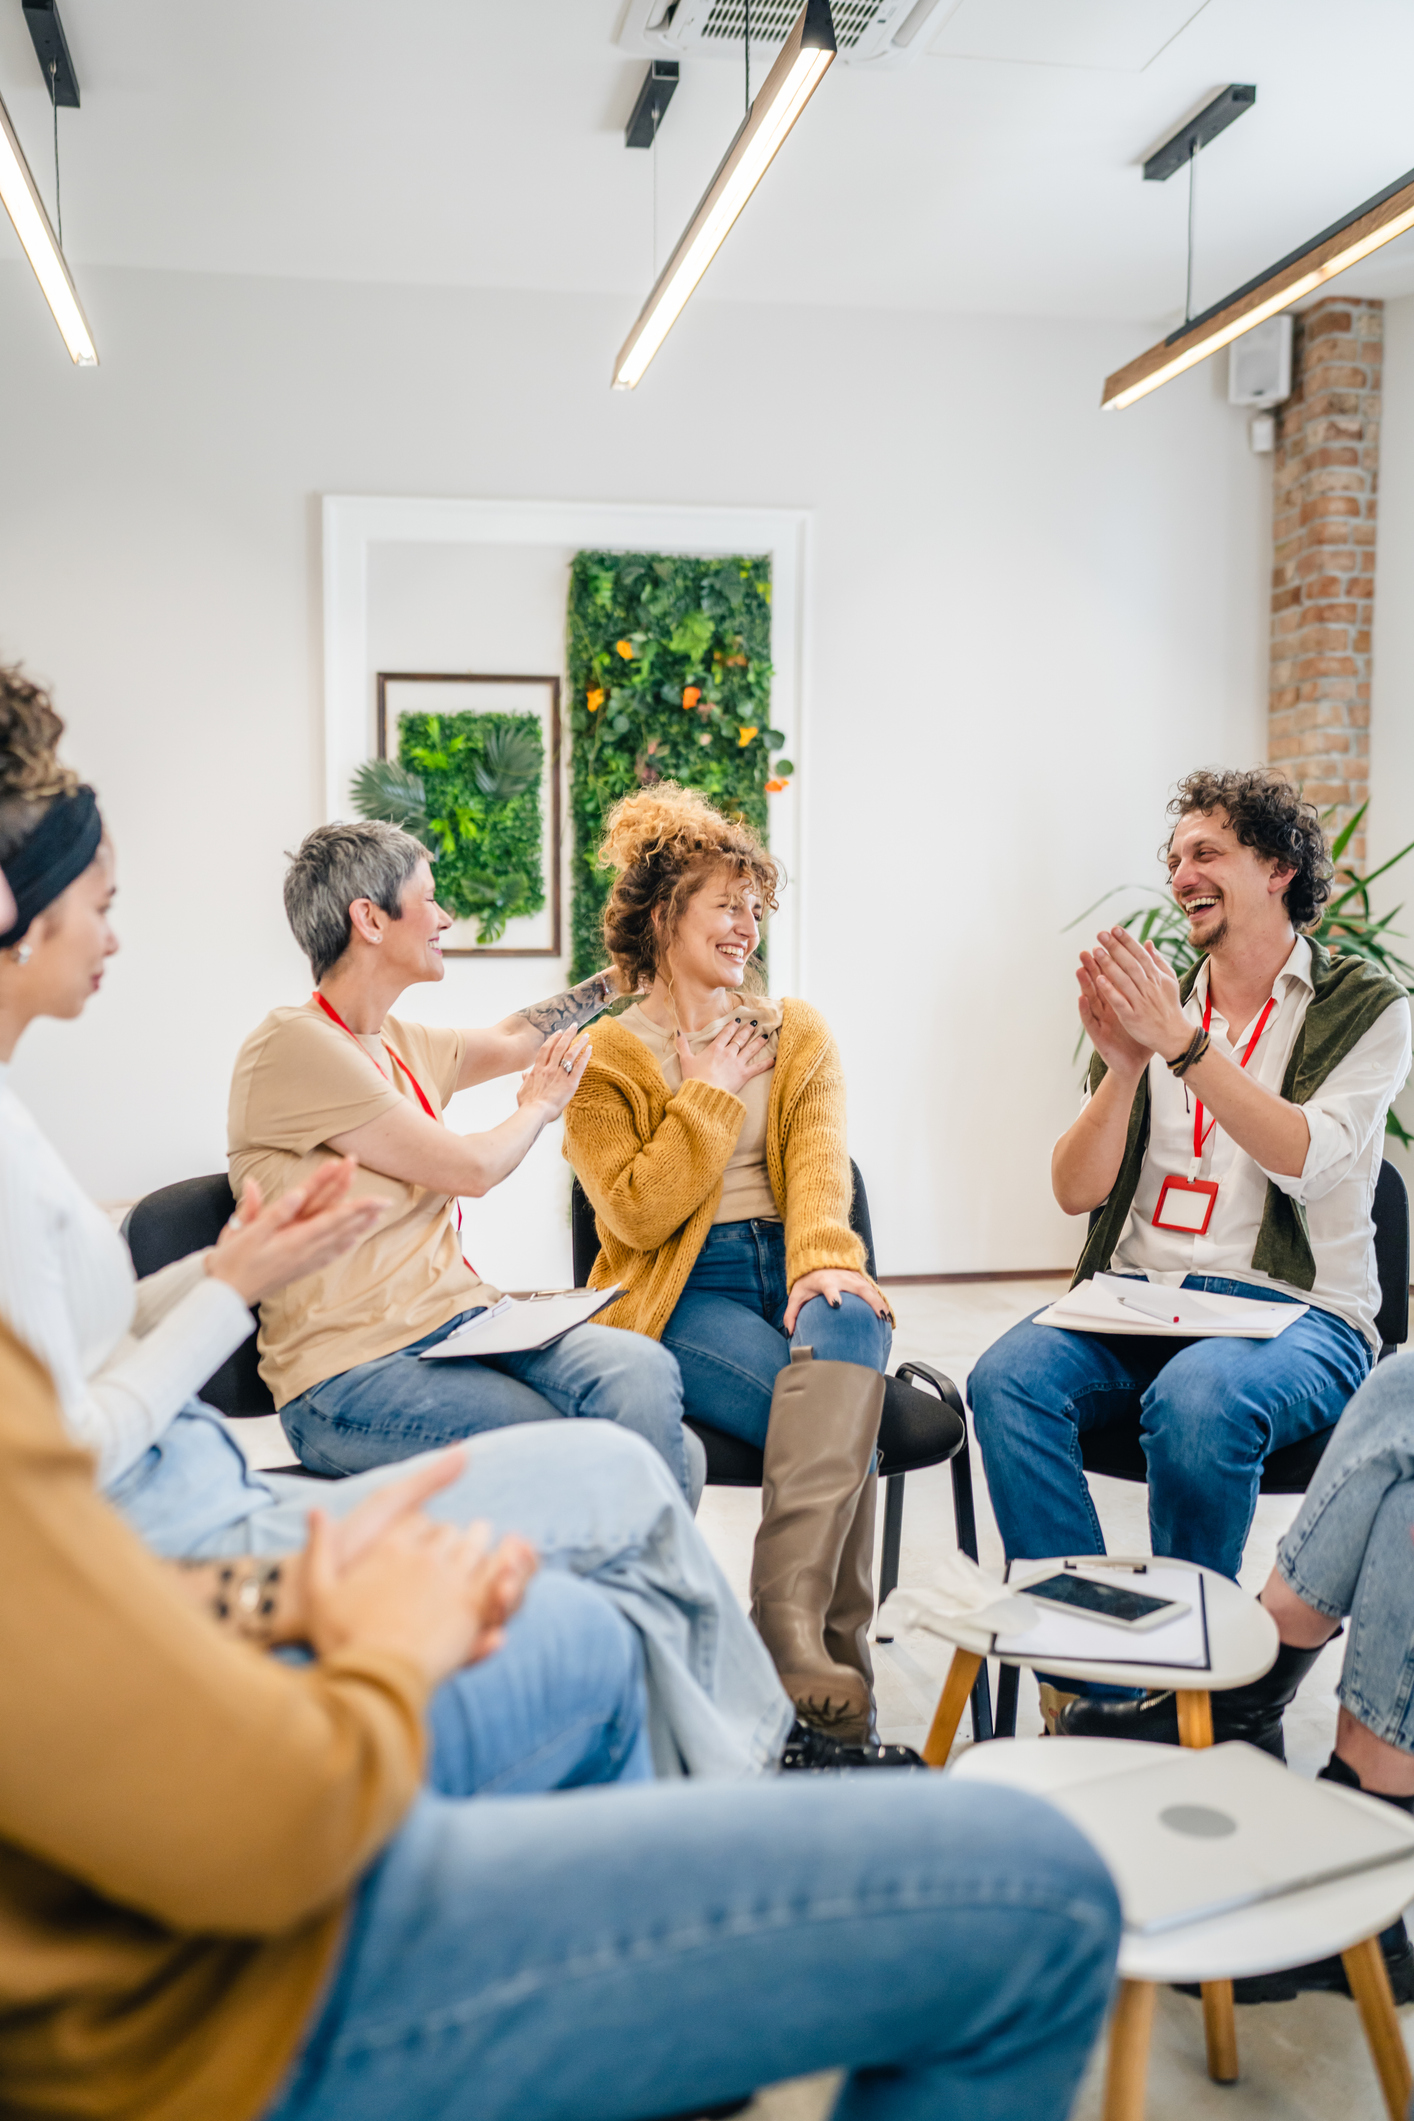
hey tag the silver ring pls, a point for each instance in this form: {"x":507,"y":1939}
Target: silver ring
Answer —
{"x":568,"y":1067}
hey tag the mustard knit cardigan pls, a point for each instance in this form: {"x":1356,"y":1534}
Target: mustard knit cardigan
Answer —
{"x":651,"y":1161}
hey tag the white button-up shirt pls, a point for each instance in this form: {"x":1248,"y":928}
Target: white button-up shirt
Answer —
{"x":1336,"y":1184}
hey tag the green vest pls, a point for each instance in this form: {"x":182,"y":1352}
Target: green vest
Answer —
{"x":1349,"y":995}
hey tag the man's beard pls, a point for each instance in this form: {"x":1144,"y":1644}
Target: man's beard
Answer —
{"x":1213,"y":942}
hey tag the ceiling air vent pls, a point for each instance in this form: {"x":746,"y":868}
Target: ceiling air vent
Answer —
{"x":866,"y":31}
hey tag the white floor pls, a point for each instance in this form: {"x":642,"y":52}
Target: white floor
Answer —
{"x":1302,"y":2061}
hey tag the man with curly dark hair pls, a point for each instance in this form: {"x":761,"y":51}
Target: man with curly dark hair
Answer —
{"x":1230,"y":1140}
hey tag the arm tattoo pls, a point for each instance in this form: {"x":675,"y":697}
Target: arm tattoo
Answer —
{"x":563,"y":1012}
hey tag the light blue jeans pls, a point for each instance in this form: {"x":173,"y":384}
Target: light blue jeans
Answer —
{"x":399,"y":1405}
{"x":1209,"y":1412}
{"x":560,"y":1706}
{"x":613,"y":1954}
{"x":726,"y":1329}
{"x":1350,"y":1549}
{"x":593,"y":1500}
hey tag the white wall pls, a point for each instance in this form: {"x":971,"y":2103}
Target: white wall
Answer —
{"x":1026,"y":620}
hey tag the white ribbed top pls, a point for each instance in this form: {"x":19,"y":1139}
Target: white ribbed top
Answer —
{"x":124,"y":1354}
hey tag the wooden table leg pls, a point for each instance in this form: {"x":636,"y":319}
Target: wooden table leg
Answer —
{"x":1220,"y":2031}
{"x":1195,"y":1728}
{"x":1195,"y":1717}
{"x":1369,"y":1984}
{"x":957,"y":1689}
{"x":1127,"y":2069}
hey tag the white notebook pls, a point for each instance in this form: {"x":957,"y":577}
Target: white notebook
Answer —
{"x":1116,"y":1303}
{"x":1210,"y":1831}
{"x":519,"y":1322}
{"x":1073,"y":1638}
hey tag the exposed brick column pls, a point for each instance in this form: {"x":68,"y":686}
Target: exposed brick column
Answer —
{"x":1323,"y":582}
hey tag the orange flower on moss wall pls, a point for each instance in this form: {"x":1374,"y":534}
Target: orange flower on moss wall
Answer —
{"x":774,"y":787}
{"x":595,"y":699}
{"x":691,"y":694}
{"x":745,"y":734}
{"x":625,"y":649}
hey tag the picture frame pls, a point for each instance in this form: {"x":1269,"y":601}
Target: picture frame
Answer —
{"x":403,"y":693}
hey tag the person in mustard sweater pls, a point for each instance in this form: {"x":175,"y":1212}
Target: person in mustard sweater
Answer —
{"x":224,"y":1895}
{"x":709,"y":1135}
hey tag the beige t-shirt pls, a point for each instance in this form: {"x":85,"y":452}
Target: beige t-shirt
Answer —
{"x":746,"y":1186}
{"x":298,"y":1080}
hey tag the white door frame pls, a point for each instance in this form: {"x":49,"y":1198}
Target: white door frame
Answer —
{"x":353,"y":522}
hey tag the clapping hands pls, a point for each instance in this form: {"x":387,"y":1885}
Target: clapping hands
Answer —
{"x":1129,"y":1002}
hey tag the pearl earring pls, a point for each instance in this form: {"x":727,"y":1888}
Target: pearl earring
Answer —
{"x":22,"y":953}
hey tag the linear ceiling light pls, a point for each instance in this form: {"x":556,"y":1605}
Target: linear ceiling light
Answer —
{"x":1345,"y":243}
{"x":804,"y":60}
{"x":22,"y":203}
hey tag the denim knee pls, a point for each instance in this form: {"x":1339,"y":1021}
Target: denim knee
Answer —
{"x":851,"y":1331}
{"x":643,"y":1391}
{"x":647,"y":1377}
{"x":601,"y":1646}
{"x":1190,"y":1427}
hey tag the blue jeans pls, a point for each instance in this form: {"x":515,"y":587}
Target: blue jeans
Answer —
{"x":398,"y":1406}
{"x":1209,"y":1411}
{"x":561,"y":1705}
{"x":610,"y":1954}
{"x":1349,"y":1550}
{"x":726,"y":1329}
{"x":593,"y":1500}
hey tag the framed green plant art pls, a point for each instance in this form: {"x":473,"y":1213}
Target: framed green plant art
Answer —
{"x":669,"y":661}
{"x":471,"y":765}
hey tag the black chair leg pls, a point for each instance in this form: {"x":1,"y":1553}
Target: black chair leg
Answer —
{"x":965,"y":1519}
{"x":1007,"y":1678}
{"x":964,"y":1515}
{"x":893,"y":1539}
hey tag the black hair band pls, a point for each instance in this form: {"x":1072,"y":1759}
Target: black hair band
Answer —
{"x":59,"y":849}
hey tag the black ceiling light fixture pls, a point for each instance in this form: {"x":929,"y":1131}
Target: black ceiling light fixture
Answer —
{"x":1355,"y":236}
{"x":805,"y":58}
{"x":1182,"y":148}
{"x":659,"y":85}
{"x":1214,"y":118}
{"x":1369,"y":226}
{"x":19,"y":194}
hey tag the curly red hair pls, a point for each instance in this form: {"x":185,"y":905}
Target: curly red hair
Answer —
{"x":665,"y":842}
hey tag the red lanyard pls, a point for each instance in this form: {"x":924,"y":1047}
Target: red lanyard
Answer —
{"x":1199,"y":1138}
{"x":332,"y":1013}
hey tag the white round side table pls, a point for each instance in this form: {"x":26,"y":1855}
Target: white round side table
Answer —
{"x":1345,"y":1916}
{"x":1242,"y":1645}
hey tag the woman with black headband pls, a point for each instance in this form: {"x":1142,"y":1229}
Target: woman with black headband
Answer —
{"x":127,"y":1358}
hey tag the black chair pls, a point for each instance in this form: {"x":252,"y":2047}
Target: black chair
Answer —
{"x":1116,"y":1450}
{"x":167,"y":1225}
{"x":915,"y":1430}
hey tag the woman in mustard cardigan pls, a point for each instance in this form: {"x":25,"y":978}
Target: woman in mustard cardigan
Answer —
{"x":709,"y":1135}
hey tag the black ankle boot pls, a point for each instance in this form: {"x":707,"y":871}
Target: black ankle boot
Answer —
{"x":811,"y":1751}
{"x":1253,"y":1712}
{"x":1329,"y":1974}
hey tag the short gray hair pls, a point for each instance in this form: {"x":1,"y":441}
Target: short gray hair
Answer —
{"x":334,"y":865}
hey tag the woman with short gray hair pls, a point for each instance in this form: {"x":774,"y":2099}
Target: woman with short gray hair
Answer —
{"x":339,"y":1075}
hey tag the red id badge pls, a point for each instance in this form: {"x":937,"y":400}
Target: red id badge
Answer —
{"x":1186,"y":1205}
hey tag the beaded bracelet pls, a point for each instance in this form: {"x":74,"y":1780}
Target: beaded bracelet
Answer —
{"x":245,"y":1597}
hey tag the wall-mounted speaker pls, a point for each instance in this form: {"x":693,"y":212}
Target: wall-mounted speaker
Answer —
{"x":1259,"y":364}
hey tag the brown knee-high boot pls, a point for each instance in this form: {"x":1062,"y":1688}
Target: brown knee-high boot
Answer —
{"x":819,"y":1461}
{"x":851,"y":1610}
